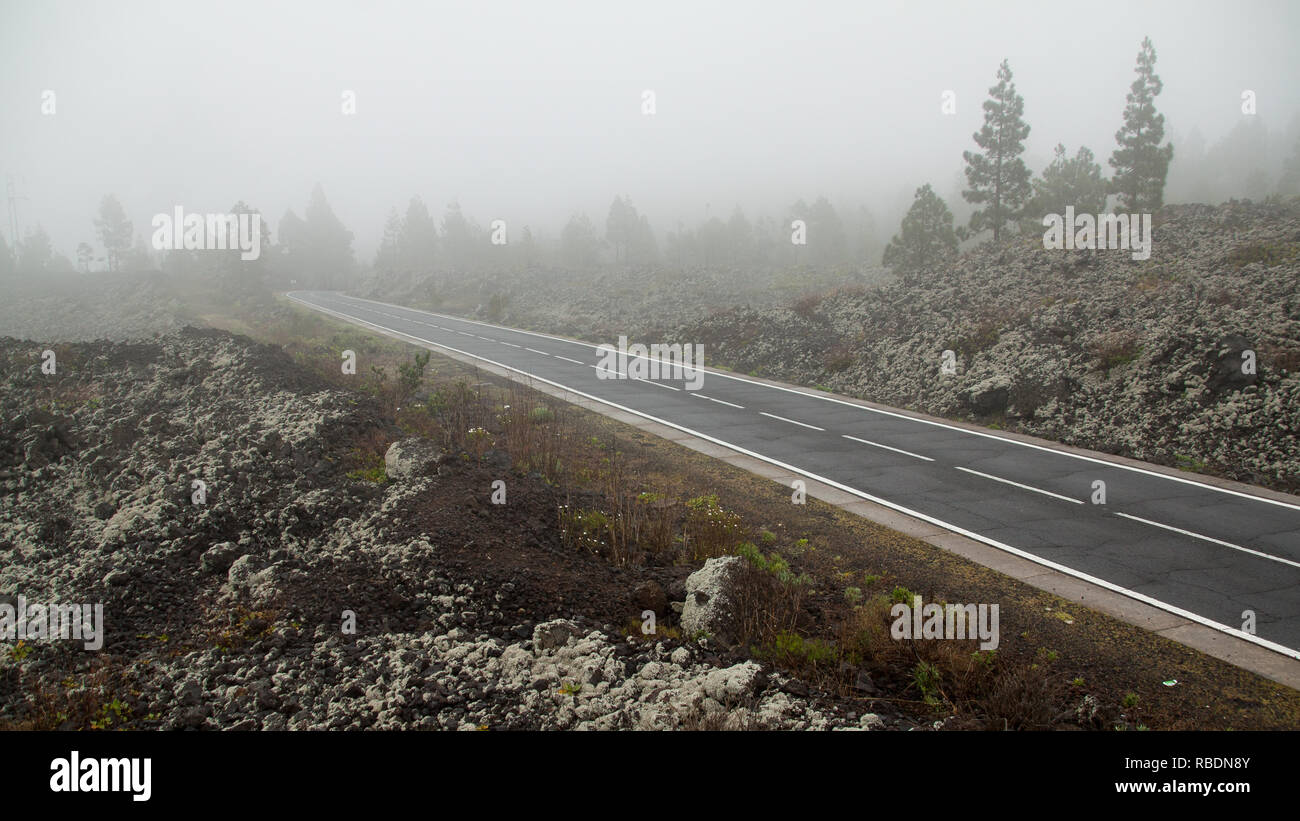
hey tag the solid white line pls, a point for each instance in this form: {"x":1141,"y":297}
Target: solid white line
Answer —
{"x":970,"y":534}
{"x":720,"y":401}
{"x":887,"y":447}
{"x":1017,"y":484}
{"x":1208,"y":539}
{"x":534,"y":350}
{"x":567,"y":359}
{"x":791,"y":421}
{"x":825,"y":398}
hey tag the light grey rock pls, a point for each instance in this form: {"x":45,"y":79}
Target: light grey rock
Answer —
{"x":709,"y":604}
{"x":411,"y":457}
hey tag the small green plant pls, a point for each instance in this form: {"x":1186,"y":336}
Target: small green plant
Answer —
{"x":570,"y":688}
{"x":1130,"y":700}
{"x":20,"y":651}
{"x":541,"y":415}
{"x":376,"y":474}
{"x":794,"y":650}
{"x":767,"y":536}
{"x":901,"y":595}
{"x":853,"y":595}
{"x":926,"y":677}
{"x":108,"y":713}
{"x":1078,"y":681}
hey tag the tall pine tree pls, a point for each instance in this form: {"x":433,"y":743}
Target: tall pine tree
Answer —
{"x":1140,"y":162}
{"x":999,"y":177}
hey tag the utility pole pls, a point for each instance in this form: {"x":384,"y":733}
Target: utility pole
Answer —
{"x":13,"y":198}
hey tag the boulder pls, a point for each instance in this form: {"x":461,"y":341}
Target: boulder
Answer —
{"x":708,"y":605}
{"x":1226,"y":372}
{"x":219,"y":557}
{"x":989,"y":396}
{"x":411,"y":457}
{"x":551,"y":634}
{"x":650,"y":596}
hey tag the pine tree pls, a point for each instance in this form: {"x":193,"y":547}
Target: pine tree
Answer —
{"x":115,"y":230}
{"x":926,"y":237}
{"x":999,"y":176}
{"x":1140,"y":162}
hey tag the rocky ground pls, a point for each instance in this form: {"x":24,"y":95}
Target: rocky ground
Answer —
{"x":233,"y":613}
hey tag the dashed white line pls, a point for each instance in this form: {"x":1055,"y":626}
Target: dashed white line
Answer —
{"x":720,"y":401}
{"x":791,"y":421}
{"x":656,"y":384}
{"x":511,"y":344}
{"x":567,"y":359}
{"x":534,"y":350}
{"x":887,"y":447}
{"x":1211,"y":540}
{"x":1017,"y":484}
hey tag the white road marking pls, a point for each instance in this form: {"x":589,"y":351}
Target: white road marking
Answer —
{"x":567,"y":359}
{"x":791,"y":421}
{"x":534,"y":350}
{"x":720,"y":401}
{"x":656,"y":384}
{"x":970,"y":534}
{"x":887,"y":447}
{"x":511,"y":344}
{"x":1208,"y":539}
{"x":1017,"y":484}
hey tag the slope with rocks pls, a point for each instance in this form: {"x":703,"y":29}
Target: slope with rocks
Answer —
{"x":231,"y":613}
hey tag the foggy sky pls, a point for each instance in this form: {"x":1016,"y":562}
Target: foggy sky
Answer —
{"x":530,"y":111}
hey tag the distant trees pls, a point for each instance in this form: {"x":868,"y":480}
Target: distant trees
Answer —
{"x":115,"y":231}
{"x":999,"y":177}
{"x":417,"y":245}
{"x":84,"y":256}
{"x":462,"y":239}
{"x":579,"y":243}
{"x":1065,"y":182}
{"x":34,"y":251}
{"x":1141,"y":164}
{"x":629,"y":234}
{"x":1288,"y":185}
{"x":317,"y":248}
{"x":926,"y":237}
{"x":826,"y":239}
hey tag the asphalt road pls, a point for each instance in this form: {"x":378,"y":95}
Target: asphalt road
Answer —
{"x":1206,"y":553}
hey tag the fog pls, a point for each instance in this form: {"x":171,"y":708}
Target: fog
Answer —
{"x":529,"y":112}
